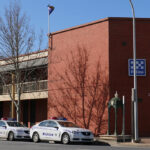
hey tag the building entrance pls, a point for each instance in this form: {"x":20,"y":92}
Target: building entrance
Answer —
{"x":33,"y":111}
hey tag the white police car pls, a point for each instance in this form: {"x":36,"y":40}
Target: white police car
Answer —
{"x":11,"y":130}
{"x":60,"y":130}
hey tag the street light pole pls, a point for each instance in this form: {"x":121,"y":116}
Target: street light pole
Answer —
{"x":136,"y":136}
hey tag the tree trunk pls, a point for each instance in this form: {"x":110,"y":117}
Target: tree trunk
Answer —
{"x":18,"y":114}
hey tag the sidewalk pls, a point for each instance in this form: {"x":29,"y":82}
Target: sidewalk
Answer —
{"x":145,"y":142}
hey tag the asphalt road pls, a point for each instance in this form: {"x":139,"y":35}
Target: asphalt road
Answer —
{"x":25,"y":145}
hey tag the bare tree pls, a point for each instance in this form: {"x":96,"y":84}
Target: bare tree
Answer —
{"x":40,"y":39}
{"x":81,"y":95}
{"x":16,"y":43}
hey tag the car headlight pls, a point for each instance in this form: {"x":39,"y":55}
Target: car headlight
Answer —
{"x":92,"y":134}
{"x":75,"y":132}
{"x":19,"y":131}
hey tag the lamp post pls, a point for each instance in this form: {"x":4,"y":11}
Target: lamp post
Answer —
{"x":136,"y":136}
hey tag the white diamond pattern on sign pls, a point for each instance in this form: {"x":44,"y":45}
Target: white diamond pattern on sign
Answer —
{"x":140,"y":67}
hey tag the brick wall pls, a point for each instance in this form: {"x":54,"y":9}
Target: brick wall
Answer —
{"x":94,"y":38}
{"x":110,"y":40}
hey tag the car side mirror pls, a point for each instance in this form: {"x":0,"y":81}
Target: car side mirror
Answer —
{"x":4,"y":127}
{"x":56,"y":128}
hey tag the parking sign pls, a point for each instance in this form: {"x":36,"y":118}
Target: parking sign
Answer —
{"x":140,"y":67}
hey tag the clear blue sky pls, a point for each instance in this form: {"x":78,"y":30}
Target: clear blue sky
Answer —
{"x":70,"y":13}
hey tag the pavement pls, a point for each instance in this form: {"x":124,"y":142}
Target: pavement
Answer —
{"x":144,"y":143}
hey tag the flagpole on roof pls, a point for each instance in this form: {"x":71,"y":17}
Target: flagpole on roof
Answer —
{"x":48,"y":28}
{"x":50,"y":10}
{"x":48,"y":23}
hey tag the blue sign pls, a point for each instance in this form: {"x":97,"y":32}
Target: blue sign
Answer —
{"x":140,"y":67}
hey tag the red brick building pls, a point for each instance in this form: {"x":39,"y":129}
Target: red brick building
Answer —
{"x":111,"y":39}
{"x":108,"y":40}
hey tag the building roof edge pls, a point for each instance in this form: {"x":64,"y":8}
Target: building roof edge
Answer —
{"x":80,"y":26}
{"x":98,"y":21}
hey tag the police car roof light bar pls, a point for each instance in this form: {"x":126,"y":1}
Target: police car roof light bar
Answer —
{"x":62,"y":118}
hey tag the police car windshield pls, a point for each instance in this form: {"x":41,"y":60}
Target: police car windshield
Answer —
{"x":67,"y":124}
{"x":14,"y":124}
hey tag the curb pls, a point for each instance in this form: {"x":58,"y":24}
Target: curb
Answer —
{"x":145,"y":142}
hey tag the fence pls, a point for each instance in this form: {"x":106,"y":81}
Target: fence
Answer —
{"x":26,"y":87}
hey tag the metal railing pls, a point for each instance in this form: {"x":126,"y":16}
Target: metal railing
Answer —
{"x":26,"y":87}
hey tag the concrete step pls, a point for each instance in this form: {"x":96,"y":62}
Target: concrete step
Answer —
{"x":116,"y":138}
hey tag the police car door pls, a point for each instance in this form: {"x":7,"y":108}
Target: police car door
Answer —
{"x":42,"y":130}
{"x":3,"y":129}
{"x":53,"y":131}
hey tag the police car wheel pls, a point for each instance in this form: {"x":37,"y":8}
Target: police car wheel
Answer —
{"x":11,"y":136}
{"x":65,"y":138}
{"x":35,"y":137}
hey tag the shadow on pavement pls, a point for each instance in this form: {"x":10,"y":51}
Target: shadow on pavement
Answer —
{"x":97,"y":143}
{"x":101,"y":143}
